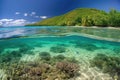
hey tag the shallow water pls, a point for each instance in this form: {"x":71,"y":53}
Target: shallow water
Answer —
{"x":25,"y":43}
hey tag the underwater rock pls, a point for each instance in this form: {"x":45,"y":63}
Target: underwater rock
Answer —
{"x":68,"y":68}
{"x":45,"y":56}
{"x":108,"y":64}
{"x":58,"y":49}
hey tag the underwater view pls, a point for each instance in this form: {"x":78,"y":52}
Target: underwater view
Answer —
{"x":59,"y":53}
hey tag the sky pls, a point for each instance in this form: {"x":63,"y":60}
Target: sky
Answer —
{"x":21,"y":12}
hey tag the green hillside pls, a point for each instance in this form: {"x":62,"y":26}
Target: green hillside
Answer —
{"x":81,"y":17}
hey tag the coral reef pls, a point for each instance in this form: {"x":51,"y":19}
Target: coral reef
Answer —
{"x":14,"y":55}
{"x":27,"y":71}
{"x":41,"y":71}
{"x":10,"y":56}
{"x":70,"y":69}
{"x":108,"y":64}
{"x":56,"y":59}
{"x":25,"y":49}
{"x":72,"y":59}
{"x":59,"y":57}
{"x":46,"y":68}
{"x":45,"y":56}
{"x":58,"y":49}
{"x":87,"y":46}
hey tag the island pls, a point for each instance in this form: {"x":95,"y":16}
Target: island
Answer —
{"x":83,"y":17}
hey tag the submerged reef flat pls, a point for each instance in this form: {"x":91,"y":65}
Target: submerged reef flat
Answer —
{"x":58,"y":58}
{"x":47,"y":66}
{"x":41,"y":70}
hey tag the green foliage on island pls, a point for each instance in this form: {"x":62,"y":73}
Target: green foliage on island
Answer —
{"x":83,"y":17}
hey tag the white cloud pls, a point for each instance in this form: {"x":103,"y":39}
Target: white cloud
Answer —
{"x":32,"y":13}
{"x":25,"y":14}
{"x":43,"y":17}
{"x":17,"y":22}
{"x":1,"y":23}
{"x":17,"y":13}
{"x":6,"y":20}
{"x":12,"y":22}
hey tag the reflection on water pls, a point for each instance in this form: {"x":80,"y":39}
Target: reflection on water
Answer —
{"x":38,"y":56}
{"x":59,"y":31}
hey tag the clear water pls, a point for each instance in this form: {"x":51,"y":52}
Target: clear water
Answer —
{"x":28,"y":42}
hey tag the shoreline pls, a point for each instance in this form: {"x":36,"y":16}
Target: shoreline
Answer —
{"x":64,"y":26}
{"x":94,"y":27}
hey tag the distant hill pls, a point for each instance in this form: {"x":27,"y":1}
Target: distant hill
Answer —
{"x":79,"y":17}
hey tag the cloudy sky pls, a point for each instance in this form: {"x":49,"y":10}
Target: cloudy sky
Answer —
{"x":21,"y":12}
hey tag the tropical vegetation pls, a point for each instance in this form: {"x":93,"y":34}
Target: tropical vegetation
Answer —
{"x":83,"y":17}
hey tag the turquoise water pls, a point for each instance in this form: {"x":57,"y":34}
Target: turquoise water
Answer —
{"x":20,"y":46}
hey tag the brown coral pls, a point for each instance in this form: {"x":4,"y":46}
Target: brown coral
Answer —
{"x":38,"y":70}
{"x":68,"y":67}
{"x":35,"y":71}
